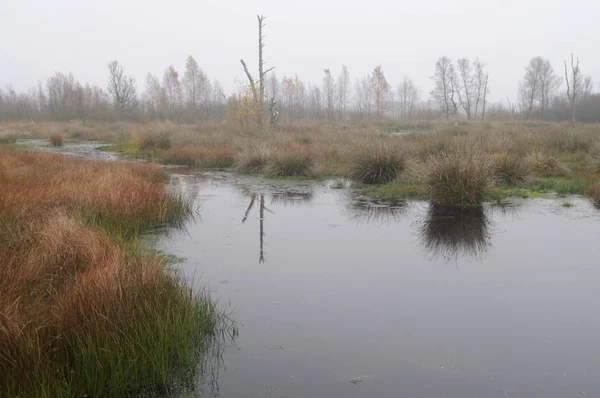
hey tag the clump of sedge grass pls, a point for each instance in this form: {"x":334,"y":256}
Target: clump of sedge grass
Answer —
{"x":56,"y":140}
{"x":511,"y":170}
{"x":594,"y":192}
{"x":458,"y":177}
{"x":200,"y":156}
{"x":290,"y":163}
{"x":253,"y":159}
{"x":547,"y":164}
{"x":376,"y":164}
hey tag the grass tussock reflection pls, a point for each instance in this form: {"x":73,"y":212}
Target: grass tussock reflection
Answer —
{"x":451,"y":232}
{"x":366,"y":210}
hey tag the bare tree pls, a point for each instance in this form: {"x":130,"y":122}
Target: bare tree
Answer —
{"x":343,"y":90}
{"x":466,"y":85}
{"x":259,"y":93}
{"x":481,"y":87}
{"x":381,"y":92}
{"x":574,"y":85}
{"x":408,"y":97}
{"x":121,"y":88}
{"x":329,"y":93}
{"x":549,"y":83}
{"x":538,"y":86}
{"x":588,"y":87}
{"x":444,"y":85}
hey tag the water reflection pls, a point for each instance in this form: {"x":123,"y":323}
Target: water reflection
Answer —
{"x":261,"y":232}
{"x":289,"y":196}
{"x":450,"y":232}
{"x":375,"y":211}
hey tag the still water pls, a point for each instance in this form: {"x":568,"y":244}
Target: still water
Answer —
{"x":339,"y":295}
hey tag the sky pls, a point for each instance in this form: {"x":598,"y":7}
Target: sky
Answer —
{"x":40,"y":37}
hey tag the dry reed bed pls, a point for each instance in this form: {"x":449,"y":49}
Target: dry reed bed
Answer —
{"x":82,"y":311}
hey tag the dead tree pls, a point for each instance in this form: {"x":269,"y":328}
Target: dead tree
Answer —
{"x":258,"y":94}
{"x":574,"y":85}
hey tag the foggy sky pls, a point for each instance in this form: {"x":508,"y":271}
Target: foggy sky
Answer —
{"x":40,"y":37}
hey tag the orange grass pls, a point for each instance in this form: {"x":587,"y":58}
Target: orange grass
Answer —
{"x":80,"y":313}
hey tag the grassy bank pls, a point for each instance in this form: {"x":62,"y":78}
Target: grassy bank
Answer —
{"x":508,"y":158}
{"x":84,"y":310}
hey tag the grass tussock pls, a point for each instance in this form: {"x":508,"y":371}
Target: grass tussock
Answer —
{"x":594,"y":192}
{"x":547,"y":164}
{"x":458,"y":177}
{"x":199,"y":156}
{"x":57,"y":140}
{"x":376,"y":164}
{"x":83,"y":311}
{"x":290,"y":163}
{"x":594,"y":157}
{"x":511,"y":170}
{"x":253,"y":159}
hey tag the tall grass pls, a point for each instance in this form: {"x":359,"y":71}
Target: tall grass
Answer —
{"x":199,"y":156}
{"x":83,"y":311}
{"x":458,"y":177}
{"x":511,"y":170}
{"x":376,"y":164}
{"x":290,"y":163}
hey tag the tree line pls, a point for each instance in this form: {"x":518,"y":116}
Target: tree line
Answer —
{"x":460,"y":90}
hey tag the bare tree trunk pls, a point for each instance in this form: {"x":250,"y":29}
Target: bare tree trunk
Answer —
{"x":259,"y":94}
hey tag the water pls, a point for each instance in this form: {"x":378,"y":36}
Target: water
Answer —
{"x":338,"y":295}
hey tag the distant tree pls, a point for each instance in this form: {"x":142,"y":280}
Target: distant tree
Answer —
{"x":195,"y":83}
{"x":173,"y":92}
{"x":481,"y":87}
{"x":538,"y":86}
{"x":329,"y":94}
{"x":381,"y":92}
{"x":121,"y":88}
{"x":444,"y":80}
{"x":315,"y":105}
{"x":343,"y":83}
{"x":466,"y":86}
{"x":408,"y":97}
{"x":574,"y":85}
{"x":588,"y":87}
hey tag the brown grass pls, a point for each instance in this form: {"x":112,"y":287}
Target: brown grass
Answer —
{"x":200,"y":156}
{"x":594,"y":192}
{"x":57,"y":139}
{"x":68,"y":290}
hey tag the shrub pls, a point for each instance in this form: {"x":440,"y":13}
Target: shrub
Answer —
{"x":458,"y":177}
{"x":511,"y":170}
{"x":547,"y":164}
{"x":56,"y":140}
{"x":290,"y":163}
{"x":199,"y":156}
{"x":376,"y":165}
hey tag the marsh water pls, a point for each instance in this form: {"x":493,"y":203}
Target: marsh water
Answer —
{"x":339,"y":295}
